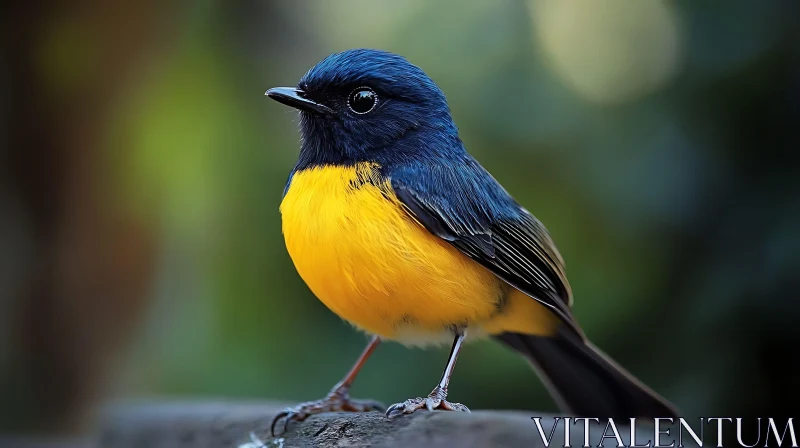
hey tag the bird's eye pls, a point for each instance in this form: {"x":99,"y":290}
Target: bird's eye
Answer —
{"x":362,"y":100}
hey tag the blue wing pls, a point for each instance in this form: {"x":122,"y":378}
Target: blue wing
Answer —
{"x":459,"y":201}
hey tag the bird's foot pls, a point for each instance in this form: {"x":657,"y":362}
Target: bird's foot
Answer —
{"x":336,"y":401}
{"x":436,"y":400}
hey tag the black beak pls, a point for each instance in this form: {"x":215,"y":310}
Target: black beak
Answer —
{"x":296,"y":98}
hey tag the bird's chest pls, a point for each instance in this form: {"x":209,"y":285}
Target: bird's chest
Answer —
{"x":370,"y":262}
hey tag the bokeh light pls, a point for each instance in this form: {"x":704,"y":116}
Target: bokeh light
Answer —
{"x":609,"y":52}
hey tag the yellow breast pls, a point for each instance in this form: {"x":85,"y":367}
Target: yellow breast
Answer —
{"x":375,"y":266}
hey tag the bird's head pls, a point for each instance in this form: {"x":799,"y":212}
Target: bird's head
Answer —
{"x":361,"y":105}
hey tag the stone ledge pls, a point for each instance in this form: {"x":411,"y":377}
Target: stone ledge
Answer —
{"x":246,"y":425}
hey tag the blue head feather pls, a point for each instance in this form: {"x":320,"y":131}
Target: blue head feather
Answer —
{"x":411,"y":118}
{"x":410,"y":134}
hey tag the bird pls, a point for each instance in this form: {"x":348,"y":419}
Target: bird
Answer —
{"x":399,"y":231}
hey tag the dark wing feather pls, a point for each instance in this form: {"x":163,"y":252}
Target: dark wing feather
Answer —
{"x":464,"y":205}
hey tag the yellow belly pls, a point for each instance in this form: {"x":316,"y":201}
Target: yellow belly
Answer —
{"x":375,"y":266}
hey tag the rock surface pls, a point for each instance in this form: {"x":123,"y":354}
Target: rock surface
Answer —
{"x":179,"y":425}
{"x":246,"y":425}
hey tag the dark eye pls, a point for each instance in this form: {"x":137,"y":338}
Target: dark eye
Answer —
{"x":362,"y":100}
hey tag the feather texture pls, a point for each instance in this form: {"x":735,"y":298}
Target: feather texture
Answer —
{"x":373,"y":264}
{"x":463,"y":204}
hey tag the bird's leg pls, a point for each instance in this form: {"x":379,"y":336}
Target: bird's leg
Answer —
{"x":337,"y":400}
{"x":436,"y":399}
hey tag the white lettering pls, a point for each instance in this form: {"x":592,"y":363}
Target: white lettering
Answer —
{"x":658,"y":433}
{"x":610,"y":424}
{"x":586,"y":429}
{"x":633,"y":436}
{"x":789,"y":426}
{"x":719,"y":428}
{"x":697,"y":440}
{"x":545,"y":440}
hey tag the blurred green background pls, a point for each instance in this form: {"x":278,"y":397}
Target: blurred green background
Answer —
{"x":140,"y":242}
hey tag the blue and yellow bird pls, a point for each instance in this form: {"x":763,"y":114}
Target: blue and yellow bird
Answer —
{"x":399,"y":231}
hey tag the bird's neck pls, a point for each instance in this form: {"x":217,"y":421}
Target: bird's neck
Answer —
{"x":322,"y":148}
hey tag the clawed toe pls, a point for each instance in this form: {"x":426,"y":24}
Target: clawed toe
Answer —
{"x":430,"y":403}
{"x":332,"y":403}
{"x":287,"y":416}
{"x":405,"y":407}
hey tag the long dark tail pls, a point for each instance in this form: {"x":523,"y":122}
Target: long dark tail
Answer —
{"x":584,"y":381}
